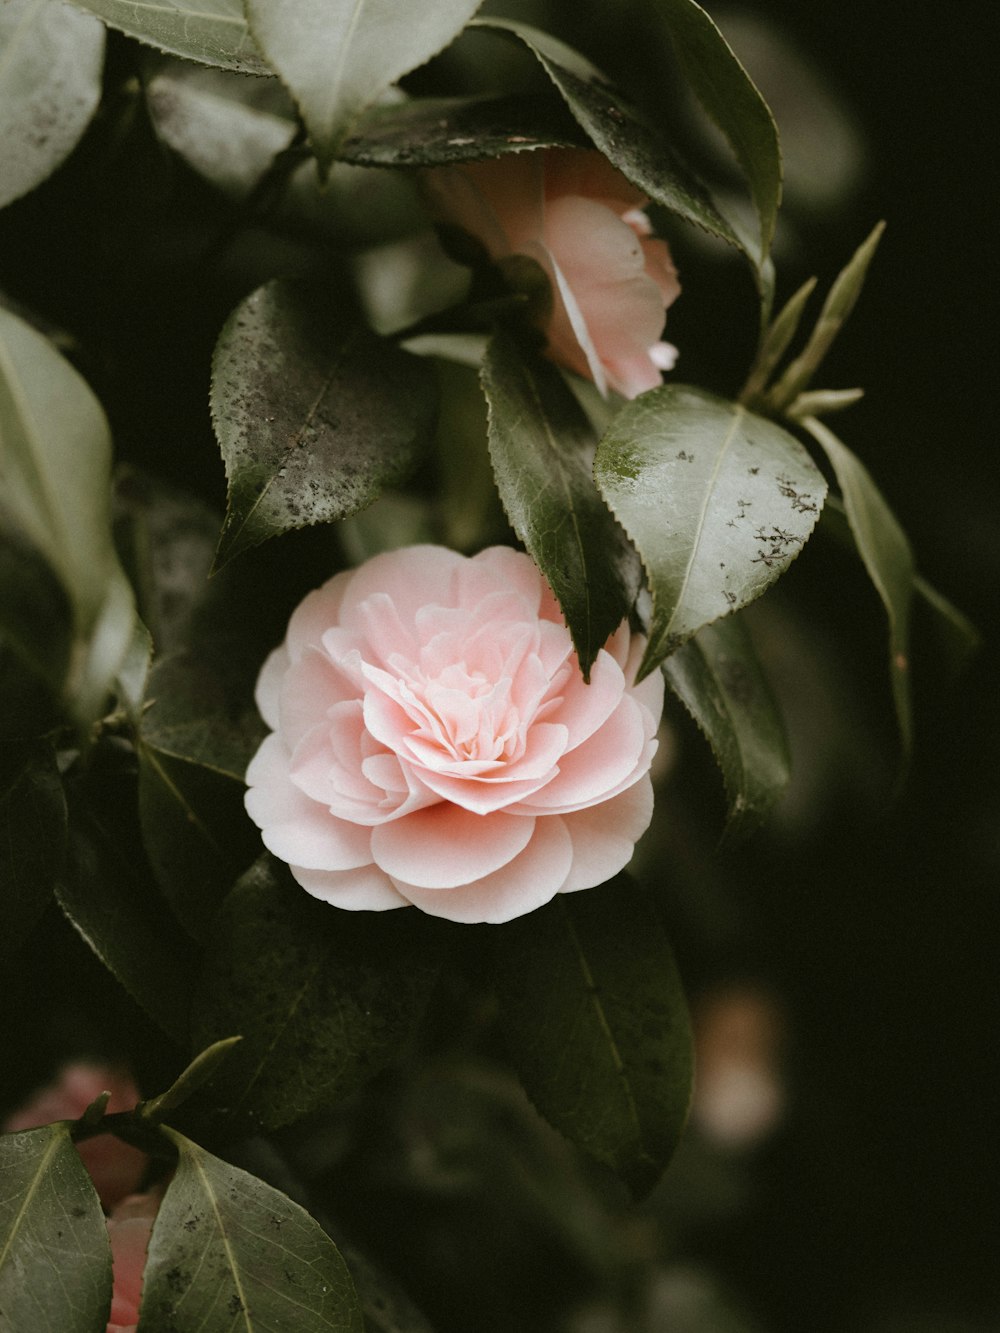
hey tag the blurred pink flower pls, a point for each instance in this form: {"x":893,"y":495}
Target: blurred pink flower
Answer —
{"x":582,"y":221}
{"x":129,"y":1228}
{"x":116,"y":1168}
{"x":434,"y":741}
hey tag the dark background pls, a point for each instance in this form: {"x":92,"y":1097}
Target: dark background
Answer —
{"x":874,"y":1205}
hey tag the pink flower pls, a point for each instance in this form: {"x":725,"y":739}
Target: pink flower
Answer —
{"x":581,"y":220}
{"x":116,"y":1168}
{"x":434,"y":741}
{"x":129,"y":1230}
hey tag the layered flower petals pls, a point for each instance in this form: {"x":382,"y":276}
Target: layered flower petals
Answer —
{"x":436,"y":744}
{"x":579,"y":218}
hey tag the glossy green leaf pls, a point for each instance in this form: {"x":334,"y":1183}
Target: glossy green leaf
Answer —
{"x":213,"y":32}
{"x":314,"y":414}
{"x":55,"y":1260}
{"x":50,"y":84}
{"x":433,"y":131}
{"x":107,"y":895}
{"x":718,"y":679}
{"x":55,"y":453}
{"x":730,"y":99}
{"x":322,"y":998}
{"x":229,"y":1253}
{"x":32,"y":837}
{"x":641,"y":152}
{"x":717,"y":500}
{"x":542,"y":447}
{"x":594,"y":1018}
{"x":885,"y":551}
{"x":837,"y":307}
{"x":337,"y":56}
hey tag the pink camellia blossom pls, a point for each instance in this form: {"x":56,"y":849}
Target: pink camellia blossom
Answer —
{"x":434,"y":741}
{"x":116,"y":1168}
{"x":129,"y":1229}
{"x":582,"y":221}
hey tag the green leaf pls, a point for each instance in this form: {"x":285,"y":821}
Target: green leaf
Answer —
{"x":314,"y":414}
{"x":197,"y":735}
{"x":228,"y":127}
{"x":107,"y":896}
{"x":433,"y":131}
{"x":837,"y":308}
{"x":50,"y":84}
{"x":718,"y":679}
{"x":55,"y":454}
{"x":55,"y":1260}
{"x":718,"y":501}
{"x":885,"y":551}
{"x":213,"y":32}
{"x":775,"y":342}
{"x":32,"y":837}
{"x":961,"y":640}
{"x":322,"y":998}
{"x":641,"y":152}
{"x":36,"y":619}
{"x":594,"y":1018}
{"x":542,"y":447}
{"x":229,"y":1252}
{"x":337,"y":56}
{"x":198,"y":1072}
{"x":730,"y":99}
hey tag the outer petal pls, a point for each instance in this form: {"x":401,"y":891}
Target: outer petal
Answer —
{"x":604,"y":835}
{"x":267,"y":694}
{"x":600,"y":766}
{"x":443,"y":846}
{"x":530,"y":880}
{"x":410,"y":577}
{"x":366,"y":889}
{"x":292,"y":826}
{"x":314,"y":614}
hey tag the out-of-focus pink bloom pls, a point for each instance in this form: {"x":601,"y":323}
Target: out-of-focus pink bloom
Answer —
{"x":582,"y":221}
{"x":738,"y":1094}
{"x":129,"y":1228}
{"x":116,"y":1168}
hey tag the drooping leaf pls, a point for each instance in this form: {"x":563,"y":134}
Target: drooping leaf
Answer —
{"x":55,"y":1260}
{"x":717,"y":500}
{"x":718,"y":679}
{"x":50,"y":84}
{"x":885,"y":552}
{"x":641,"y":152}
{"x":107,"y":895}
{"x":337,"y":56}
{"x":32,"y":837}
{"x":213,"y":32}
{"x":322,"y":998}
{"x":840,"y":301}
{"x":594,"y":1018}
{"x":313,"y":412}
{"x":55,"y":492}
{"x":730,"y":99}
{"x":542,"y":447}
{"x":229,"y":1252}
{"x":433,"y":131}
